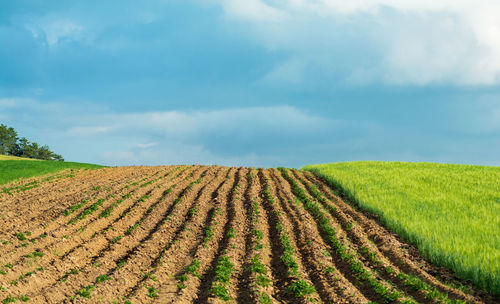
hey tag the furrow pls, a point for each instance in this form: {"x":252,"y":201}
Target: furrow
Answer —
{"x":385,"y":246}
{"x":213,"y":232}
{"x":43,"y":206}
{"x":171,"y":256}
{"x":206,"y":289}
{"x":332,"y":286}
{"x":373,"y":287}
{"x":235,"y":248}
{"x":42,"y":198}
{"x":91,"y":244}
{"x":43,"y":185}
{"x":293,"y":285}
{"x":256,"y":283}
{"x":372,"y":256}
{"x":142,"y":261}
{"x":132,"y":222}
{"x":51,"y":239}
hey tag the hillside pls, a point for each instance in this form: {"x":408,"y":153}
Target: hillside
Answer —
{"x":205,"y":234}
{"x":13,"y":168}
{"x":9,"y":157}
{"x":451,"y":212}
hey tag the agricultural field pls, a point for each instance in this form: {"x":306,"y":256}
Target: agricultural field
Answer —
{"x":12,"y":168}
{"x":9,"y":157}
{"x":451,"y":212}
{"x":205,"y":234}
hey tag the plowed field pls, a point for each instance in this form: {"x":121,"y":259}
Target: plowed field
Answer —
{"x":203,"y":234}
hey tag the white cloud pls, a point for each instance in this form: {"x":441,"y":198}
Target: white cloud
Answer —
{"x":239,"y":136}
{"x":414,"y":41}
{"x":147,"y":145}
{"x":56,"y":30}
{"x":182,"y":124}
{"x":258,"y":136}
{"x":90,"y":130}
{"x":254,"y":10}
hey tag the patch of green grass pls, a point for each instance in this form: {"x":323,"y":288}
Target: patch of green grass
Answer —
{"x":450,"y":212}
{"x":11,"y":170}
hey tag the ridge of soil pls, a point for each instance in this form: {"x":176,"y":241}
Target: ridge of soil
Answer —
{"x":205,"y":234}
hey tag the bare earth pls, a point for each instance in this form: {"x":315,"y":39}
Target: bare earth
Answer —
{"x":137,"y":231}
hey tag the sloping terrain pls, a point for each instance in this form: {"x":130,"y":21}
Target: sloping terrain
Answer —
{"x":204,"y":234}
{"x":450,"y":212}
{"x":13,"y":168}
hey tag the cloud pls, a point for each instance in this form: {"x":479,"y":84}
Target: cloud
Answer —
{"x":147,"y":145}
{"x":254,"y":10}
{"x":403,"y":42}
{"x":237,"y":136}
{"x":62,"y":29}
{"x":261,"y":136}
{"x":90,"y":130}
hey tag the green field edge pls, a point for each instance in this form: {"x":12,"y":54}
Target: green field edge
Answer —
{"x":15,"y":170}
{"x":491,"y":284}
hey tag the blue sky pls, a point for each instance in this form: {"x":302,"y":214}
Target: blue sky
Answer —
{"x":256,"y":83}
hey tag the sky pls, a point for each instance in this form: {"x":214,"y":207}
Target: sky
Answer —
{"x":261,"y":83}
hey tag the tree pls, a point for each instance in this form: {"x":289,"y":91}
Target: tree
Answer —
{"x":8,"y":139}
{"x":57,"y":157}
{"x":11,"y":145}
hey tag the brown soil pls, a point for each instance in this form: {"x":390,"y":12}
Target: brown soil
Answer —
{"x":161,"y":221}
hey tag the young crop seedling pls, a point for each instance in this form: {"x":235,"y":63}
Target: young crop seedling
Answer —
{"x":102,"y":278}
{"x":223,"y":272}
{"x":301,"y":288}
{"x":193,"y":268}
{"x":89,"y":210}
{"x":209,"y":233}
{"x":9,"y":299}
{"x":75,"y":207}
{"x":356,"y":266}
{"x":152,"y":292}
{"x":85,"y":292}
{"x":231,"y":233}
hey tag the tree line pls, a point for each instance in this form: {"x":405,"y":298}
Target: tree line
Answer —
{"x":11,"y":144}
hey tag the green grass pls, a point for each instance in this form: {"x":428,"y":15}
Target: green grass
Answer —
{"x":451,"y":212}
{"x":11,"y":170}
{"x":9,"y":157}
